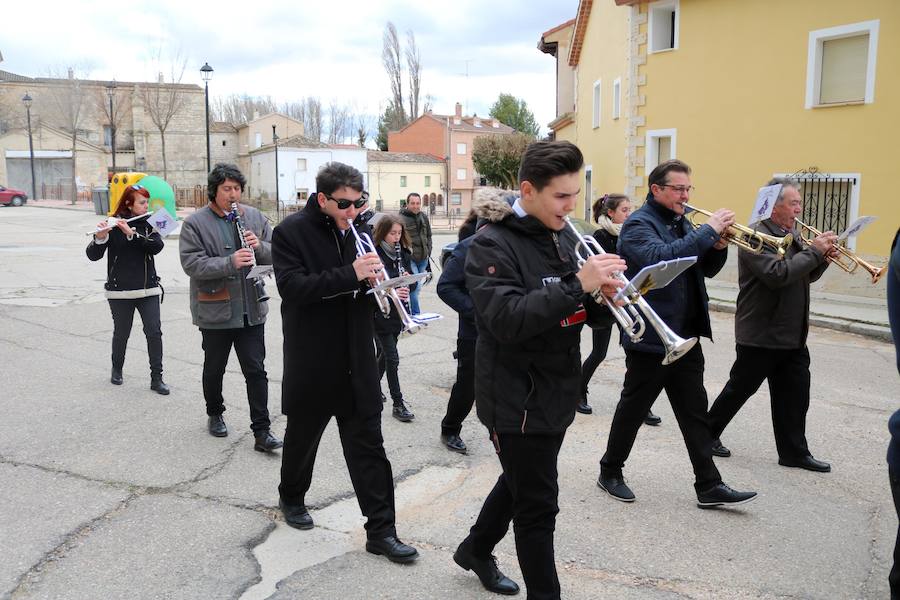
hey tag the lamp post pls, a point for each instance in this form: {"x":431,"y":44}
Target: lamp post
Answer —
{"x":27,"y":100}
{"x":206,"y":71}
{"x":277,"y":199}
{"x":110,"y":93}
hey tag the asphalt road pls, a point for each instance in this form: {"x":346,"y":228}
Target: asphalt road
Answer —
{"x":117,"y":492}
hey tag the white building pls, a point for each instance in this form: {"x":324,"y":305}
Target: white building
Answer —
{"x":299,"y":161}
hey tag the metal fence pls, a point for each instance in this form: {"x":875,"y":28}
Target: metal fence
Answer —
{"x":826,"y":199}
{"x":62,"y":191}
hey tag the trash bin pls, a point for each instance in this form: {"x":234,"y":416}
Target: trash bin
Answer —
{"x":100,"y":196}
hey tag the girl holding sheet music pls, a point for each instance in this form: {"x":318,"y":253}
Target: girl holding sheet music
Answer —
{"x":131,"y":280}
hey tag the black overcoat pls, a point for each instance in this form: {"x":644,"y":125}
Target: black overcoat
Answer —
{"x":329,"y":350}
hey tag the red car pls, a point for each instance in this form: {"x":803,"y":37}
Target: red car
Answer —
{"x":11,"y":197}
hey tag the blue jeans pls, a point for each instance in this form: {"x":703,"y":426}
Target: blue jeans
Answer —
{"x":417,"y":267}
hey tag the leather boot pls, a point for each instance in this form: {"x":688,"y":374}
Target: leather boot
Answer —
{"x":158,"y":385}
{"x":116,"y":377}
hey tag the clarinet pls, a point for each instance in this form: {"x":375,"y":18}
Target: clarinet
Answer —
{"x":401,"y":271}
{"x":258,"y":286}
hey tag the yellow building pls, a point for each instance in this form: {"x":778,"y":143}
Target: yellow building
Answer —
{"x":742,"y":91}
{"x":392,"y":176}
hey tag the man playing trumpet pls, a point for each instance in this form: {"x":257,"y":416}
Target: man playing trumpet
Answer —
{"x":771,"y":326}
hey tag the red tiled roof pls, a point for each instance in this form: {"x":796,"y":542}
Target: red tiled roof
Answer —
{"x":557,"y":28}
{"x":581,"y":21}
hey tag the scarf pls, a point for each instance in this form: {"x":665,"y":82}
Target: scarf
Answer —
{"x":389,"y":249}
{"x":607,"y":225}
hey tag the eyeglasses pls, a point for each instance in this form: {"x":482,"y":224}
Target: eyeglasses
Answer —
{"x":344,"y":204}
{"x":679,"y":189}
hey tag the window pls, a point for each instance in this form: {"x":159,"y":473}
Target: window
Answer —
{"x":455,"y":198}
{"x":660,"y":147}
{"x":617,"y":98}
{"x":403,"y":181}
{"x":302,"y":195}
{"x":595,"y":119}
{"x":662,"y":26}
{"x":460,"y":148}
{"x":588,"y":192}
{"x":107,"y":135}
{"x":224,"y":143}
{"x":428,"y":181}
{"x":258,"y":140}
{"x":840,"y":65}
{"x":460,"y":174}
{"x":301,"y":164}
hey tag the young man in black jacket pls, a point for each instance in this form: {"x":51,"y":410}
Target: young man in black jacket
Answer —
{"x":329,"y":355}
{"x":530,"y":304}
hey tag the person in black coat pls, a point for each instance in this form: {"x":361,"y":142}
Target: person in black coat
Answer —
{"x":131,"y":280}
{"x":329,"y":355}
{"x":390,"y":235}
{"x":893,"y":454}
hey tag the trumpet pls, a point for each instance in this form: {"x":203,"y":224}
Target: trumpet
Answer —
{"x":384,"y":288}
{"x":636,"y":312}
{"x":745,"y":237}
{"x":847,"y":261}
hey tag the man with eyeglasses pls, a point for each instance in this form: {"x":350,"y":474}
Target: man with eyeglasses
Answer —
{"x":657,"y":231}
{"x":329,"y":355}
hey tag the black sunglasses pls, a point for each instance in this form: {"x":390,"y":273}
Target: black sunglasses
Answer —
{"x":344,"y":204}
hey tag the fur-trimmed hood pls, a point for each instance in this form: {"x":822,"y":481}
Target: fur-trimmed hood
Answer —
{"x":493,"y":204}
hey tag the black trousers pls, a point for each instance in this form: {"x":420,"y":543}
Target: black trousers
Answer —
{"x":123,"y":316}
{"x":389,"y":361}
{"x":250,"y":346}
{"x":894,"y":577}
{"x":598,"y":353}
{"x":370,"y":470}
{"x":526,"y":493}
{"x":645,"y":378}
{"x":789,"y":380}
{"x":462,"y":396}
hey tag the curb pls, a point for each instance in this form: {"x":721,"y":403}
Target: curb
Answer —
{"x":869,"y":330}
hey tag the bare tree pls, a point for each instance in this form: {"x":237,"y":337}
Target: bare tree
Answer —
{"x":67,"y":105}
{"x":312,"y":122}
{"x":362,"y":130}
{"x":338,"y":122}
{"x":414,"y":66}
{"x":390,"y":58}
{"x":237,"y":109}
{"x":295,"y":110}
{"x":121,"y":106}
{"x":162,"y":101}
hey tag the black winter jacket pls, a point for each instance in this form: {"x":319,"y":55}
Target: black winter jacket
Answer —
{"x":651,"y":234}
{"x":606,"y":240}
{"x":451,"y":288}
{"x":130,"y":268}
{"x":329,"y":349}
{"x":419,"y":229}
{"x":530,"y":308}
{"x":392,"y":323}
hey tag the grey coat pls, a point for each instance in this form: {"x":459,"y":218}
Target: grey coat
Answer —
{"x":773,"y":302}
{"x":219,"y":291}
{"x":418,"y":227}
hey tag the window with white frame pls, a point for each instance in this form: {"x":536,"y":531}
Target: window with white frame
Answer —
{"x":840,"y":66}
{"x":460,"y":174}
{"x":455,"y":198}
{"x":301,"y":164}
{"x":460,"y":148}
{"x":617,"y":98}
{"x":403,"y":181}
{"x":659,"y":147}
{"x":588,"y":193}
{"x":595,"y":112}
{"x":302,"y":194}
{"x":662,"y":26}
{"x":428,"y":181}
{"x":258,"y":140}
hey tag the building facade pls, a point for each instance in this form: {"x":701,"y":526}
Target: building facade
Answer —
{"x":392,"y":176}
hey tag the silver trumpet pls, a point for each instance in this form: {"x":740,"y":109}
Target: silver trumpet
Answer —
{"x":384,"y":290}
{"x":636,"y":312}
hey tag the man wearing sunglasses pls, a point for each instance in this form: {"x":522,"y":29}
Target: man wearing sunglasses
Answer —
{"x":329,"y":355}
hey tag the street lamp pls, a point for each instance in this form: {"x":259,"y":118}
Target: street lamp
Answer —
{"x":206,"y":71}
{"x":277,"y":199}
{"x":27,"y":100}
{"x":110,"y":93}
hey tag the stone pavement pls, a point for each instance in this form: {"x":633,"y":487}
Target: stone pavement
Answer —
{"x":117,"y":492}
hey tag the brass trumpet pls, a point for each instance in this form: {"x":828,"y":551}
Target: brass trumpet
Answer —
{"x":848,"y":261}
{"x":745,"y":237}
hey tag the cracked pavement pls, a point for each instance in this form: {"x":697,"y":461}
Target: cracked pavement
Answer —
{"x":117,"y":492}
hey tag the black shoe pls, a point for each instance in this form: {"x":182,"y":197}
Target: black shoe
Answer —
{"x":395,"y":550}
{"x":719,"y":450}
{"x":584,"y":408}
{"x":266,"y":442}
{"x":296,"y":515}
{"x":216,"y":424}
{"x":487,"y":570}
{"x":722,"y":495}
{"x":158,"y":385}
{"x":807,"y":462}
{"x":401,"y":413}
{"x":454,"y":443}
{"x":116,"y":377}
{"x":651,"y":419}
{"x":383,"y":398}
{"x":615,"y":487}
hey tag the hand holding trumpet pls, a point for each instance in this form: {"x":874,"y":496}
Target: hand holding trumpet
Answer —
{"x":599,"y":271}
{"x":825,"y":243}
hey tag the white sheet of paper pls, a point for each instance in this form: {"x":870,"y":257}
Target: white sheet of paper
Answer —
{"x":425,"y":317}
{"x":260,"y":271}
{"x":765,"y":202}
{"x":163,"y":222}
{"x":855,"y":227}
{"x":661,"y":274}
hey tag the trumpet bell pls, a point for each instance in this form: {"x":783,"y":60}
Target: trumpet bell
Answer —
{"x":677,"y":348}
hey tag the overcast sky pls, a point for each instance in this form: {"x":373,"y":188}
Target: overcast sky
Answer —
{"x":291,"y":49}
